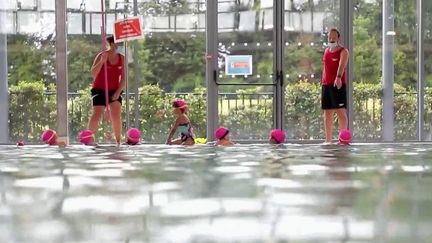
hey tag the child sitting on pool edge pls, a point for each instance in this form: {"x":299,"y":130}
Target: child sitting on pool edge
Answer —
{"x":223,"y":138}
{"x":182,"y":125}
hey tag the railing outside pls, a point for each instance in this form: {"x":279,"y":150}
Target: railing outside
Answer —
{"x":248,"y":115}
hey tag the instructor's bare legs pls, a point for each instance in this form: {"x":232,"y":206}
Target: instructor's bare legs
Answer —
{"x":116,"y":120}
{"x":95,"y":118}
{"x":328,"y":122}
{"x":342,"y":118}
{"x":328,"y":125}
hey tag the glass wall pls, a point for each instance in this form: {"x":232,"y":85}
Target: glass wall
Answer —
{"x":84,"y":43}
{"x":368,"y":76}
{"x":171,"y":64}
{"x":405,"y":70}
{"x":31,"y":63}
{"x":367,"y":63}
{"x":168,"y":63}
{"x":427,"y":11}
{"x":306,"y":26}
{"x":245,"y":76}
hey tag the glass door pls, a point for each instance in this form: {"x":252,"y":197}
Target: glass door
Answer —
{"x":305,"y":39}
{"x":245,"y":75}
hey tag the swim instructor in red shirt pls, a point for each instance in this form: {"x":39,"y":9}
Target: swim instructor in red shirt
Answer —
{"x":114,"y":62}
{"x":333,"y":89}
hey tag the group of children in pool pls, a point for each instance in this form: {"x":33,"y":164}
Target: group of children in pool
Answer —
{"x":183,"y":126}
{"x":277,"y":136}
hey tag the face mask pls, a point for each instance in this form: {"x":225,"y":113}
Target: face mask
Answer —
{"x":332,"y":45}
{"x":120,"y":49}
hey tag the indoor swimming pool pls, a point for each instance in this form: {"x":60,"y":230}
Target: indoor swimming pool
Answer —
{"x":245,"y":193}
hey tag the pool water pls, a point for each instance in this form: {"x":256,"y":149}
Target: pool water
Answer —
{"x":246,"y":193}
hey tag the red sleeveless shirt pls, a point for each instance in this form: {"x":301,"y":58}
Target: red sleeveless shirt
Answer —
{"x":330,"y":67}
{"x":114,"y":72}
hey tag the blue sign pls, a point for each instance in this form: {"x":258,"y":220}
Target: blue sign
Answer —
{"x":238,"y":65}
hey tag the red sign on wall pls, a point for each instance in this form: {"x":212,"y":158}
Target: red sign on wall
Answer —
{"x":127,"y":29}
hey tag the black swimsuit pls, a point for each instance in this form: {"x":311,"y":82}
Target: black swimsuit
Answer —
{"x":186,"y":132}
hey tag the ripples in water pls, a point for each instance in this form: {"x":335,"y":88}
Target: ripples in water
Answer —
{"x":246,"y":193}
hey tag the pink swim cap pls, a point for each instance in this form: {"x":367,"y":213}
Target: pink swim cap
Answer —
{"x":133,"y":136}
{"x":49,"y":136}
{"x":86,"y":137}
{"x":221,"y":132}
{"x":345,"y":136}
{"x":180,"y":104}
{"x":278,"y":135}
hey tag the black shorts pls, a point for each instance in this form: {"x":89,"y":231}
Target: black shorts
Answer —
{"x":98,"y":97}
{"x":332,"y":97}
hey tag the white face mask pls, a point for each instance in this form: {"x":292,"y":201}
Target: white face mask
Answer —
{"x":332,"y":45}
{"x":120,"y":49}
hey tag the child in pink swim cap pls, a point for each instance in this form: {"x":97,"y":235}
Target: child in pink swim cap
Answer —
{"x":182,"y":125}
{"x":277,"y":136}
{"x":222,"y":136}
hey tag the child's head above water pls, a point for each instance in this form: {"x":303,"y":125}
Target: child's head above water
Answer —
{"x":277,"y":136}
{"x":180,"y":105}
{"x":222,"y":133}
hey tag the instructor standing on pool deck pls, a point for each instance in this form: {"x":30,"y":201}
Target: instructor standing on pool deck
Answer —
{"x":333,"y":89}
{"x":108,"y":73}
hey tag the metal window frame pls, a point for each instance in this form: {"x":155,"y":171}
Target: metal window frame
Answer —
{"x":61,"y":70}
{"x":388,"y":70}
{"x":278,"y":63}
{"x":4,"y":94}
{"x":420,"y":71}
{"x":212,"y":67}
{"x":346,"y":16}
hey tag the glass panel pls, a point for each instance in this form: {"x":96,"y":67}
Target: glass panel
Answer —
{"x":172,"y":65}
{"x":47,"y":22}
{"x":427,"y":10}
{"x":156,"y":24}
{"x":76,"y":4}
{"x":36,"y":23}
{"x":10,"y":25}
{"x":31,"y":72}
{"x":306,"y":25}
{"x":368,"y":70}
{"x":405,"y":61}
{"x":92,"y":6}
{"x":367,"y":83}
{"x":226,"y":22}
{"x":88,"y":24}
{"x":116,"y":4}
{"x":96,"y":23}
{"x":267,"y":4}
{"x":110,"y":22}
{"x":47,"y":4}
{"x":225,"y":6}
{"x":82,"y":49}
{"x":245,"y":23}
{"x":27,"y":22}
{"x":246,"y":57}
{"x":167,"y":64}
{"x":201,"y":22}
{"x":26,"y":4}
{"x":185,"y":22}
{"x":8,"y":4}
{"x":75,"y":23}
